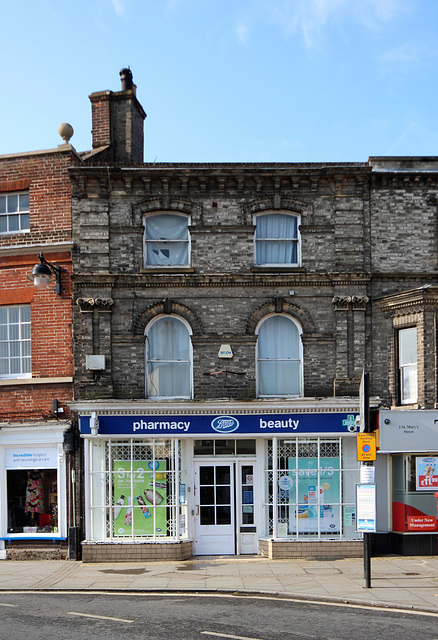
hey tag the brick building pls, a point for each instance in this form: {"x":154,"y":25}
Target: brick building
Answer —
{"x":224,"y":314}
{"x":36,"y":359}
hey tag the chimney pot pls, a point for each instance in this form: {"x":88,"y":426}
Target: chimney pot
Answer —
{"x":126,"y":77}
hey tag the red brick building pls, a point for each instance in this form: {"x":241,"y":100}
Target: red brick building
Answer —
{"x":36,"y":363}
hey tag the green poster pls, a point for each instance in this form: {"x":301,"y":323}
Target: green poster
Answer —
{"x":140,"y":500}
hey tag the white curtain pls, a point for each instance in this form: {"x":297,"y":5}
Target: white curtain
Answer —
{"x":276,"y":239}
{"x":278,"y":357}
{"x":168,"y":359}
{"x":166,"y":238}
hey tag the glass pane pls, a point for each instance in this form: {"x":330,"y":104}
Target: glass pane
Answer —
{"x":408,"y":345}
{"x":206,"y":475}
{"x":167,"y":254}
{"x":223,"y":494}
{"x":168,"y":339}
{"x":26,"y":365}
{"x":223,"y":475}
{"x":207,"y":515}
{"x":2,"y":204}
{"x":25,"y":221}
{"x":276,"y":252}
{"x":25,"y":331}
{"x":278,"y":378}
{"x":3,"y":224}
{"x":12,"y":203}
{"x":409,"y":383}
{"x":206,"y":495}
{"x":24,"y":202}
{"x":225,"y":447}
{"x":4,"y":349}
{"x":223,"y":515}
{"x":14,"y":349}
{"x":25,"y":348}
{"x":14,"y":223}
{"x":166,"y":227}
{"x":276,"y":225}
{"x":168,"y":379}
{"x":278,"y":338}
{"x":25,"y":314}
{"x":245,"y":447}
{"x":15,"y":365}
{"x":203,"y":447}
{"x":14,"y":314}
{"x":4,"y":367}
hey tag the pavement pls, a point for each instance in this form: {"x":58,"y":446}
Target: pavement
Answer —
{"x":401,"y":582}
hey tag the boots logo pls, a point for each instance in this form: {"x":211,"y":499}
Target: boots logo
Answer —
{"x":225,"y":424}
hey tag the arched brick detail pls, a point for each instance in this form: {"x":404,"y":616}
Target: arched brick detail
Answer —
{"x":168,"y":307}
{"x":288,"y":205}
{"x":178,"y":205}
{"x":287,"y":308}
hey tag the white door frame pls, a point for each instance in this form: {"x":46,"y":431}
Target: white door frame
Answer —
{"x":214,"y":539}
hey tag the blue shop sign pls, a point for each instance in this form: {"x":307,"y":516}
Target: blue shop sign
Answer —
{"x":211,"y":425}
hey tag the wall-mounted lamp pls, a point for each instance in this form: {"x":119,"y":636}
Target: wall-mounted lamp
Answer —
{"x":44,"y":273}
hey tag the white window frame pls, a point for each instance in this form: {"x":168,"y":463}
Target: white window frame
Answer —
{"x":407,"y":368}
{"x":299,"y":359}
{"x":7,"y":343}
{"x":296,"y":240}
{"x":189,"y":362}
{"x":21,"y":214}
{"x":167,"y":241}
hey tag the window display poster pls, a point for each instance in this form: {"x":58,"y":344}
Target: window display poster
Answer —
{"x":427,"y":473}
{"x":317,"y":490}
{"x":140,"y":500}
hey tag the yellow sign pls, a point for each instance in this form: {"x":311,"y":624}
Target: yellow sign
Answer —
{"x":366,"y":446}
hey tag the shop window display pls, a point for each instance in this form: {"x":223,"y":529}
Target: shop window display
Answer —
{"x":32,"y":501}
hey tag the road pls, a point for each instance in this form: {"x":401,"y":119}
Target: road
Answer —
{"x":119,"y":616}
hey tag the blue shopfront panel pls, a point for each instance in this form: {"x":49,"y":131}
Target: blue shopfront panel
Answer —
{"x":285,"y":424}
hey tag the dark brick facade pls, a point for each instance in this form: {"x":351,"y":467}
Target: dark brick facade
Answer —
{"x":367,"y":230}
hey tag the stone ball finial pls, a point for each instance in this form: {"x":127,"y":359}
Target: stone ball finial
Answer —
{"x":66,"y":131}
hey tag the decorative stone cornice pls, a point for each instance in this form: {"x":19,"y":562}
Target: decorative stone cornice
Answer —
{"x":409,"y":302}
{"x":343,"y":303}
{"x":90,"y":304}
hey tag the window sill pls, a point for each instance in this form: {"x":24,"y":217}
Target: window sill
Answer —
{"x":163,"y":270}
{"x":20,"y":381}
{"x":277,"y":269}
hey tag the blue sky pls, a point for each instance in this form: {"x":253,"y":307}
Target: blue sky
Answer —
{"x":228,"y":80}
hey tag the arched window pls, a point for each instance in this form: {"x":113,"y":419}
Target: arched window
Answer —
{"x":276,"y":240}
{"x":166,"y":240}
{"x":279,"y":357}
{"x":168,"y":359}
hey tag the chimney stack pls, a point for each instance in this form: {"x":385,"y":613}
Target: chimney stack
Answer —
{"x":117,"y":122}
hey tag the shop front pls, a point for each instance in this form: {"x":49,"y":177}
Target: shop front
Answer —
{"x":33,"y":487}
{"x":170,"y":482}
{"x":411,"y":439}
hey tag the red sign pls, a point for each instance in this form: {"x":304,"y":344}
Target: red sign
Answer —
{"x":421,"y":523}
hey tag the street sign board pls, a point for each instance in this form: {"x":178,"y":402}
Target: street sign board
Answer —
{"x":366,"y":447}
{"x":366,"y":508}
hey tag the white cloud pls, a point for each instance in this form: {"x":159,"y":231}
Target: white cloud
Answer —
{"x":311,"y":17}
{"x":119,"y":7}
{"x":408,"y":53}
{"x":242,"y":33}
